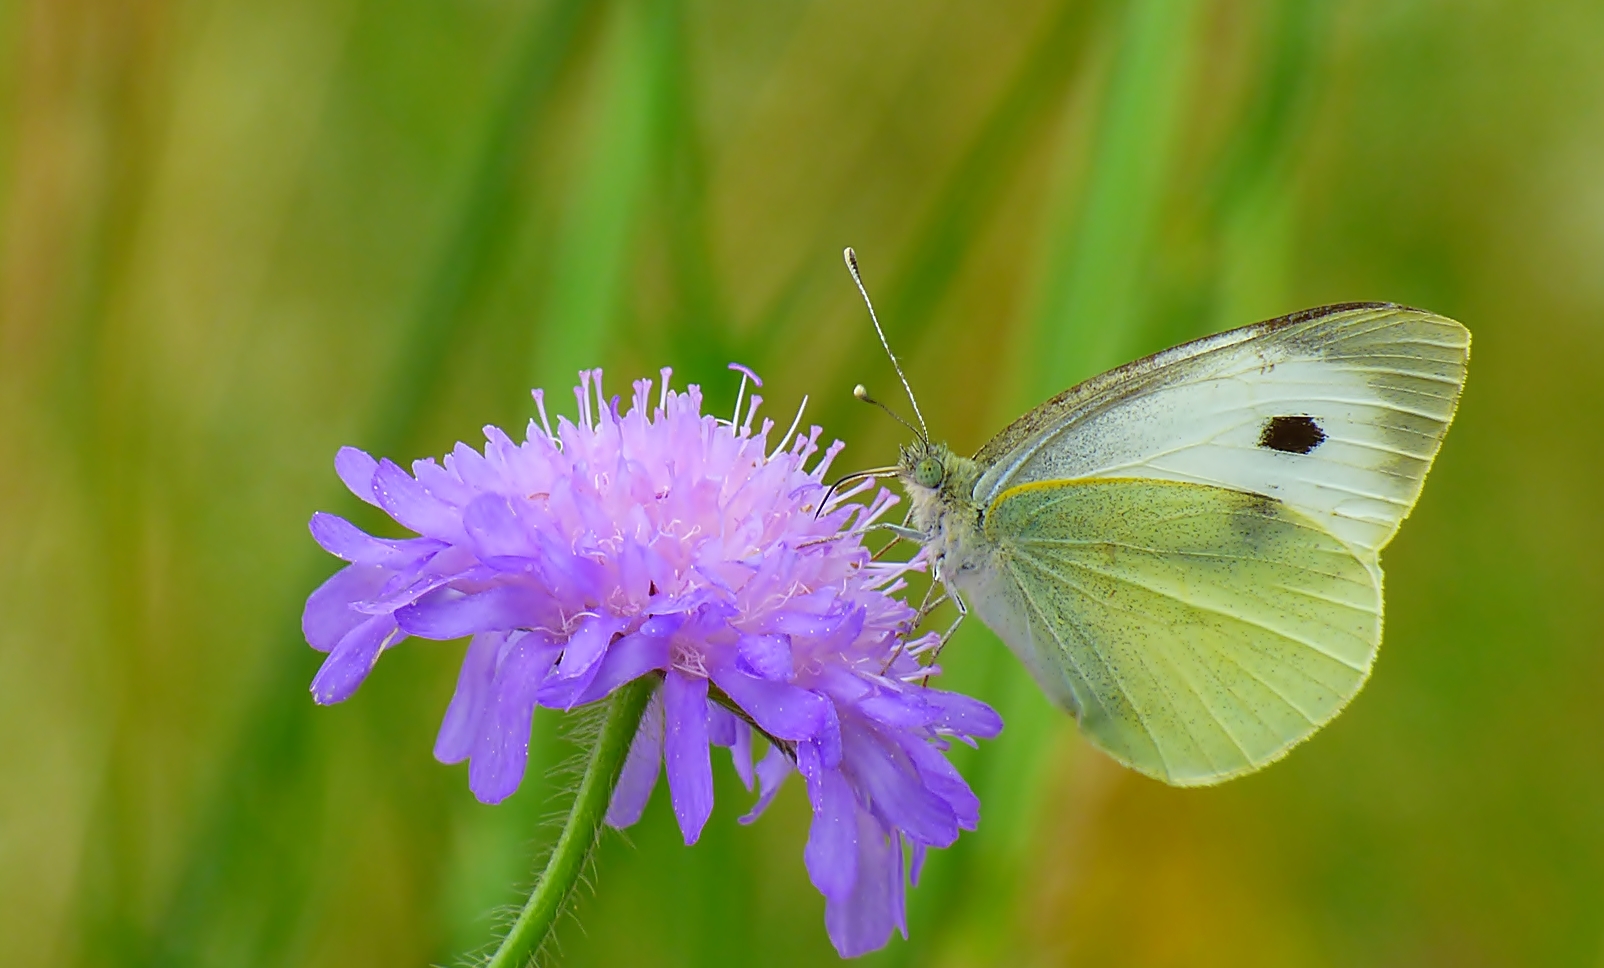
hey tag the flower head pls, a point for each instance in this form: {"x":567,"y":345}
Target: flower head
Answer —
{"x":662,"y":541}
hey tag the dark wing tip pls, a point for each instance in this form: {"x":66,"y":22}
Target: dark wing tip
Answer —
{"x":1320,"y":312}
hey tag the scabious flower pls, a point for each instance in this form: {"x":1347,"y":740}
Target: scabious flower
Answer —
{"x":662,"y":541}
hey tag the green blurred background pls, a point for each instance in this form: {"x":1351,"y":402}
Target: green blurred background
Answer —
{"x":238,"y":234}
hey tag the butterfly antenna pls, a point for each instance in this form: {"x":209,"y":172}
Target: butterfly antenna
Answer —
{"x":862,"y":393}
{"x":852,"y":267}
{"x":849,"y":478}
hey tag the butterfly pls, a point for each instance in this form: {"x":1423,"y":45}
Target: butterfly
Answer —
{"x":1185,"y":550}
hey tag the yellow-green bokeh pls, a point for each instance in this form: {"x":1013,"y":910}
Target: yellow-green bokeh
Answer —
{"x":238,"y":234}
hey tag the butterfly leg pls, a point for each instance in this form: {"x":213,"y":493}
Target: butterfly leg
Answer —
{"x":898,"y":530}
{"x":912,"y":534}
{"x":963,"y":613}
{"x":926,"y":606}
{"x":885,"y":548}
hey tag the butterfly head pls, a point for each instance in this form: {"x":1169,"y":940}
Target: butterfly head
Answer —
{"x":936,"y":480}
{"x":939,"y":485}
{"x":929,"y":466}
{"x":927,"y":471}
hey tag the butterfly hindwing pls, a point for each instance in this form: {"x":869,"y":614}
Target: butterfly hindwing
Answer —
{"x":1198,"y":632}
{"x":1337,"y":412}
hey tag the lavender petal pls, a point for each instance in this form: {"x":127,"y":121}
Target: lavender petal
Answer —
{"x":501,"y":752}
{"x":625,"y":660}
{"x":862,"y":919}
{"x":961,"y":714}
{"x":583,"y":652}
{"x":329,"y":615}
{"x":741,"y":753}
{"x":410,"y":503}
{"x":767,"y":656}
{"x":772,"y":770}
{"x":783,"y":710}
{"x":351,"y":660}
{"x":896,"y":789}
{"x":356,"y":469}
{"x":685,"y":752}
{"x":471,"y":700}
{"x":343,"y":539}
{"x":720,"y":725}
{"x":639,"y":777}
{"x":831,"y":854}
{"x":445,"y":613}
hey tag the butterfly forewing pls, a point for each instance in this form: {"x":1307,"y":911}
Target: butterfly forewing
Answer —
{"x":1198,"y":632}
{"x":1337,"y":412}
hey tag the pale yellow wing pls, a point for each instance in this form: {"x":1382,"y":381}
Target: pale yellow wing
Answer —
{"x":1197,"y":632}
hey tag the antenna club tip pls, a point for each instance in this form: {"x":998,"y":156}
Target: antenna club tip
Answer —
{"x":861,"y":392}
{"x":852,"y":259}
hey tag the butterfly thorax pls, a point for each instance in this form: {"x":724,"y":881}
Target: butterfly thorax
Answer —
{"x":940,"y":486}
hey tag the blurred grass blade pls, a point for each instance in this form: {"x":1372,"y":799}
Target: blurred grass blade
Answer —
{"x":1251,"y":202}
{"x":467,"y":252}
{"x":1089,"y":314}
{"x":951,"y":225}
{"x":696,"y":329}
{"x":985,"y":170}
{"x":595,"y":242}
{"x":246,"y":887}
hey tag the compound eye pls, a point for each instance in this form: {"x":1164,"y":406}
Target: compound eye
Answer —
{"x":928,"y":472}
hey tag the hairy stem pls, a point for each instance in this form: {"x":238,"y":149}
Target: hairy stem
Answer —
{"x":582,"y":829}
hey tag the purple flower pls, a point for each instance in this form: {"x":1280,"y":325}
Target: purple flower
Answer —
{"x":661,"y":541}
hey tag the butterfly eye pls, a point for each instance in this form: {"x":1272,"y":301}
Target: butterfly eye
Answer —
{"x":928,"y":472}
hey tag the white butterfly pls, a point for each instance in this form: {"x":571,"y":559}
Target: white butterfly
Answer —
{"x":1184,"y":551}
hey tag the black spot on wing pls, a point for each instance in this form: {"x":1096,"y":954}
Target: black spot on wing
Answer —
{"x":1291,"y":435}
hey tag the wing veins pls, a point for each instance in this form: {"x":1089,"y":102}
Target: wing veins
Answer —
{"x":1410,"y":357}
{"x":1329,"y":460}
{"x":1190,"y":685}
{"x":1427,"y":342}
{"x":1091,"y":641}
{"x":1408,"y":374}
{"x":1384,"y":320}
{"x":1186,"y":724}
{"x":1076,"y":542}
{"x":1250,"y":593}
{"x":1136,"y":653}
{"x":1215,"y":611}
{"x":1272,"y":690}
{"x":1202,"y":663}
{"x":1348,"y":490}
{"x":1372,"y":445}
{"x":1185,"y":515}
{"x":1379,"y":405}
{"x":1207,"y":706}
{"x":1309,"y":593}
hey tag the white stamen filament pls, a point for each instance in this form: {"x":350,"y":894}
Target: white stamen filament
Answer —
{"x":795,"y":422}
{"x":735,"y":418}
{"x":540,"y":407}
{"x":582,"y":396}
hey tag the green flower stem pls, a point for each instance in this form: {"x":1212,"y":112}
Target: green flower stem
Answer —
{"x":581,"y":831}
